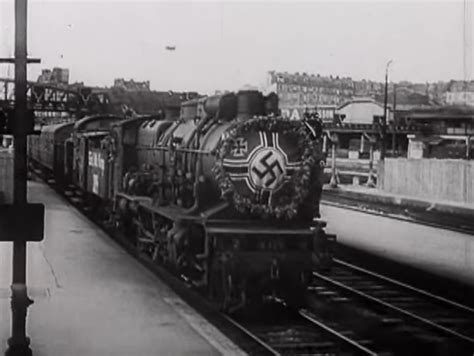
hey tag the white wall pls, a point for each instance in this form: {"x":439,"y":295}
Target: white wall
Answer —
{"x":361,"y":112}
{"x":460,"y":98}
{"x":433,"y":179}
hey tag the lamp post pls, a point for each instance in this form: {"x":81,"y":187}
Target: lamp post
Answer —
{"x":384,"y":121}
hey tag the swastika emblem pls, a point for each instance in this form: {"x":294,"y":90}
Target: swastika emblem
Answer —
{"x":261,"y":163}
{"x":240,"y":147}
{"x":267,"y":168}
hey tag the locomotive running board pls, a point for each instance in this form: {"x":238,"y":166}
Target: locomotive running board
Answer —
{"x":174,"y":212}
{"x":239,"y":229}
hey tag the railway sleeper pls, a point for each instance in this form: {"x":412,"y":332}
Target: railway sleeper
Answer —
{"x":339,"y":299}
{"x":392,"y":321}
{"x":322,"y":345}
{"x":414,"y":307}
{"x":327,"y":293}
{"x":343,"y":274}
{"x":345,"y":277}
{"x":456,"y":322}
{"x":368,"y":286}
{"x":317,"y":289}
{"x":400,"y":299}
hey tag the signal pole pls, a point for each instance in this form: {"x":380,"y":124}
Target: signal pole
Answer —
{"x":19,"y":343}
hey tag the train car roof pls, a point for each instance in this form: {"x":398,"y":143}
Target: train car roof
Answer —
{"x":148,"y":101}
{"x":94,"y":133}
{"x":57,"y":127}
{"x":82,"y":123}
{"x":141,"y":118}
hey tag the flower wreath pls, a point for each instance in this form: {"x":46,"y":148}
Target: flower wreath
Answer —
{"x":300,"y":180}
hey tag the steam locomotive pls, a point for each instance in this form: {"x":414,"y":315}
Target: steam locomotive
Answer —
{"x":226,"y":193}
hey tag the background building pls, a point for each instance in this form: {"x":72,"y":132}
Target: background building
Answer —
{"x":460,"y":93}
{"x":300,"y":92}
{"x":309,"y":89}
{"x":131,"y":85}
{"x":361,"y":111}
{"x":58,"y":76}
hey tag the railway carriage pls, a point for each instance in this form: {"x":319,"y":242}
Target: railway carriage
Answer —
{"x":47,"y":148}
{"x":88,"y":160}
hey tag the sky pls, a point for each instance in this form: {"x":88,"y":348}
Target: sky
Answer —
{"x":224,"y":45}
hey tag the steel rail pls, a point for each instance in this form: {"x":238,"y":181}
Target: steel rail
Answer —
{"x":394,"y":308}
{"x":337,"y":334}
{"x":361,"y":350}
{"x":252,"y":336}
{"x":406,"y":286}
{"x":303,"y":313}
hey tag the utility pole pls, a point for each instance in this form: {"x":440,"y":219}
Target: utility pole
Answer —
{"x":18,"y":344}
{"x":394,"y":118}
{"x":384,"y":121}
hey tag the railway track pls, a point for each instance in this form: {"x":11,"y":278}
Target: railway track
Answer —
{"x":292,"y":333}
{"x":295,"y":333}
{"x":305,"y":332}
{"x":400,"y":303}
{"x":301,"y":333}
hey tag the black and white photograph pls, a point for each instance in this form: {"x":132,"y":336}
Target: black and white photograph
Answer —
{"x":236,"y":177}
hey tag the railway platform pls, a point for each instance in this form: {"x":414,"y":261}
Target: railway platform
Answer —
{"x":365,"y":194}
{"x":92,"y":298}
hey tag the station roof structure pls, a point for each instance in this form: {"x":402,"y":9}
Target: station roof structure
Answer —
{"x":442,"y":113}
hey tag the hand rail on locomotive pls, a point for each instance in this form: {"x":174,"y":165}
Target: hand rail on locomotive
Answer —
{"x":179,"y":149}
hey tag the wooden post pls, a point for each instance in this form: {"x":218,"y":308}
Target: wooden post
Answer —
{"x":370,"y":179}
{"x":334,"y":181}
{"x":468,"y":147}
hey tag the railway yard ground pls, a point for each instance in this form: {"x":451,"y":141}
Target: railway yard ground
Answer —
{"x":411,"y":234}
{"x":92,"y":298}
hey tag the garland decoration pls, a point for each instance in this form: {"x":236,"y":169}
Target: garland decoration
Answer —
{"x":287,"y":205}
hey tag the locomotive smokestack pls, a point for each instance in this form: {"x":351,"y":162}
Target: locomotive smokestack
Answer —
{"x":222,"y":106}
{"x":250,"y":103}
{"x":271,"y":104}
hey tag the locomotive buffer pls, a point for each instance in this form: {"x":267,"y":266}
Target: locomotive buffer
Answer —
{"x":19,"y":221}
